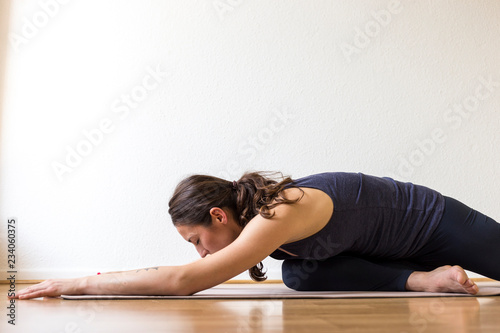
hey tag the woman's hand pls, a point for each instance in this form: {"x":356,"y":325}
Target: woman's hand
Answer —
{"x":51,"y":288}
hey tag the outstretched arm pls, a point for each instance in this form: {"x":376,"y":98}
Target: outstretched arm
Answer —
{"x":257,"y":240}
{"x":146,"y":281}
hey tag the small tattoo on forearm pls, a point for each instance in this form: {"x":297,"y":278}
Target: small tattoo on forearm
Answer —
{"x":147,"y":269}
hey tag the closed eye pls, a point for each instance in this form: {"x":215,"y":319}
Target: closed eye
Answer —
{"x":196,"y":243}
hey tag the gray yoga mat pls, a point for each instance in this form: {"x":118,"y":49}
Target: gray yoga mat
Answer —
{"x":280,"y":291}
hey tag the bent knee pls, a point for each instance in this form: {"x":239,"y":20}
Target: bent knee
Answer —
{"x":294,"y":277}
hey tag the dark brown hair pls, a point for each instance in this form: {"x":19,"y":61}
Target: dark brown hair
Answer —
{"x":254,"y":193}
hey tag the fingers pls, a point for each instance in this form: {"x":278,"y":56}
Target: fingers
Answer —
{"x":29,"y":295}
{"x":471,"y":287}
{"x":468,"y":283}
{"x":22,"y":293}
{"x":30,"y":292}
{"x":45,"y":288}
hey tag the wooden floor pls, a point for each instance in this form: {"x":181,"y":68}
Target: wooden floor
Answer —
{"x":443,"y":314}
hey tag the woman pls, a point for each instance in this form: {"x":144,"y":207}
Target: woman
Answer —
{"x":334,"y":231}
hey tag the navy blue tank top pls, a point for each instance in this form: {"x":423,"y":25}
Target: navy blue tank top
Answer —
{"x":372,"y":216}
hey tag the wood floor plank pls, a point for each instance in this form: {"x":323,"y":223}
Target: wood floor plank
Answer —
{"x":440,"y":314}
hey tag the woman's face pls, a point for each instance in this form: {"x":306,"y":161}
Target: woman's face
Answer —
{"x":208,"y":240}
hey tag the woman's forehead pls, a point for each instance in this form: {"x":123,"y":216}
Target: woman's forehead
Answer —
{"x":184,"y":230}
{"x":189,"y":231}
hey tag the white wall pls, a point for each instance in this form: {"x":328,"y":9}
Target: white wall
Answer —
{"x":384,"y":88}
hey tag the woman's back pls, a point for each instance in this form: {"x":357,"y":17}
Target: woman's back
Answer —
{"x":372,"y":216}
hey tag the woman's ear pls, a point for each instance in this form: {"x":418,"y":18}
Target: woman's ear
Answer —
{"x":218,"y":214}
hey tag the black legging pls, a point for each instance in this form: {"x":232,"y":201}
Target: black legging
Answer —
{"x":464,"y":237}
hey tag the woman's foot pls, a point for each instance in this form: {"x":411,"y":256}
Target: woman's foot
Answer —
{"x":445,"y":279}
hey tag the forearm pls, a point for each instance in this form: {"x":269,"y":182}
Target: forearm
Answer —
{"x":163,"y":280}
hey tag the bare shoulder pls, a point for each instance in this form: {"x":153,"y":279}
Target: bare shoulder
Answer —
{"x":310,"y":214}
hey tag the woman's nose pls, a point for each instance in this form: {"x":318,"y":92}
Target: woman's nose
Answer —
{"x":203,"y":253}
